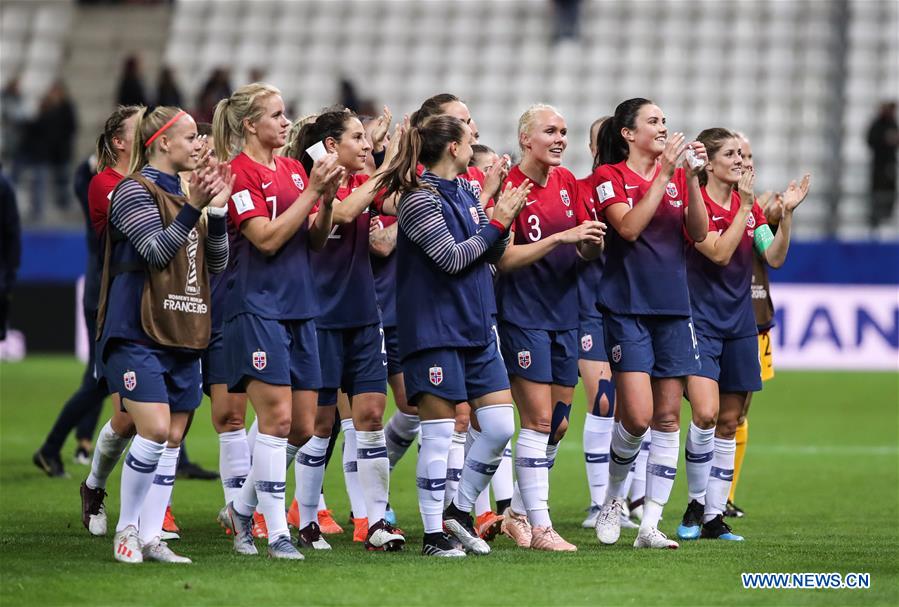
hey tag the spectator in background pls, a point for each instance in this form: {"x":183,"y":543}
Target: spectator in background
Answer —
{"x":131,"y":86}
{"x":45,"y":149}
{"x":10,"y":248}
{"x":167,"y":91}
{"x":12,"y":119}
{"x":217,"y":87}
{"x":883,"y":139}
{"x":348,"y":97}
{"x":567,"y":13}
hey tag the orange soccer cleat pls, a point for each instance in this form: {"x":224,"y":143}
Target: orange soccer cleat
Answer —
{"x":360,"y":529}
{"x":327,"y":523}
{"x":170,"y":530}
{"x":293,"y":515}
{"x":488,"y":525}
{"x":259,"y":527}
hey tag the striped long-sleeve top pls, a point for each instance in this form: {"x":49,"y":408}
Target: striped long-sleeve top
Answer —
{"x":134,"y":212}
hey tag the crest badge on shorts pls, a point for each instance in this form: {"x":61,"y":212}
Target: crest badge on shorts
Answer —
{"x":130,"y":379}
{"x":586,"y":342}
{"x":474,"y":215}
{"x":524,"y":359}
{"x":435,"y":375}
{"x":260,"y":360}
{"x":566,"y":200}
{"x":616,"y":354}
{"x":297,"y":181}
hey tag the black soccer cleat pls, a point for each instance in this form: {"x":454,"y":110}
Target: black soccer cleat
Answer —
{"x":692,"y":521}
{"x":731,"y":510}
{"x":50,"y":464}
{"x":717,"y":529}
{"x":384,"y":537}
{"x":310,"y":536}
{"x":440,"y":545}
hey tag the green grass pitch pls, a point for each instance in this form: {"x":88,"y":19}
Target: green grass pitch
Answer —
{"x":819,"y":485}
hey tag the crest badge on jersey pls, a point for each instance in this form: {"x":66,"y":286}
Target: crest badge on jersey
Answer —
{"x":260,"y":360}
{"x":435,"y":375}
{"x":476,"y":186}
{"x":524,"y":359}
{"x":297,"y":181}
{"x":671,"y":190}
{"x":750,"y":221}
{"x":566,"y":200}
{"x":474,"y":215}
{"x":586,"y":342}
{"x":616,"y":354}
{"x":130,"y":379}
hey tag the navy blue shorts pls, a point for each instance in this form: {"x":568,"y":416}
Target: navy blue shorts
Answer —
{"x":215,"y":368}
{"x":548,"y":357}
{"x":455,"y":374}
{"x":153,"y":374}
{"x":663,"y":346}
{"x":277,"y":352}
{"x":392,"y":341}
{"x":354,"y":360}
{"x":592,"y":341}
{"x":733,"y":363}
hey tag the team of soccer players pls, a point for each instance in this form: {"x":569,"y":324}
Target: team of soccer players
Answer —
{"x":356,"y":257}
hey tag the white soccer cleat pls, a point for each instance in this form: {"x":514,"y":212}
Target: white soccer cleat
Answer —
{"x":158,"y":550}
{"x":241,"y":528}
{"x":382,"y":536}
{"x":653,"y":538}
{"x":283,"y":548}
{"x":592,"y":515}
{"x":466,"y":535}
{"x":126,"y":546}
{"x":311,"y":536}
{"x":93,"y":512}
{"x":97,"y":522}
{"x":608,"y":523}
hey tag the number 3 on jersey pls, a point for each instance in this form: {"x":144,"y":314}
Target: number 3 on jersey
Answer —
{"x":534,"y":233}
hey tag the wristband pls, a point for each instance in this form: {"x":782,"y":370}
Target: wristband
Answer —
{"x":217,"y":211}
{"x":499,"y":225}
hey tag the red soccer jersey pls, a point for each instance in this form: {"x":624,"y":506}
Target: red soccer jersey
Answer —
{"x":262,"y":192}
{"x":99,"y":192}
{"x":555,"y":207}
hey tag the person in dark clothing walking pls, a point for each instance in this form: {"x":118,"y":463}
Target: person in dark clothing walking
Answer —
{"x":10,"y":247}
{"x":883,"y":139}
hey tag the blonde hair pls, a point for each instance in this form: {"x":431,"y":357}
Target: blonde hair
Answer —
{"x":230,"y":114}
{"x":526,"y":121}
{"x":148,"y":123}
{"x":293,"y":136}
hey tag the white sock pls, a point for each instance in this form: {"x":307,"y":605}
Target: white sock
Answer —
{"x":152,"y":512}
{"x":234,"y":461}
{"x":107,"y":451}
{"x":430,"y":471}
{"x":501,"y":483}
{"x":482,"y":504}
{"x":532,"y":470}
{"x":698,"y":456}
{"x":309,"y":473}
{"x":400,"y":433}
{"x":374,"y":472}
{"x":137,"y":476}
{"x":517,"y":505}
{"x":636,"y":481}
{"x":661,"y":468}
{"x":623,"y":450}
{"x":720,"y":478}
{"x":251,"y":436}
{"x":497,"y":427}
{"x":597,"y":437}
{"x":351,"y":470}
{"x":454,"y":462}
{"x":270,"y":480}
{"x":321,"y":501}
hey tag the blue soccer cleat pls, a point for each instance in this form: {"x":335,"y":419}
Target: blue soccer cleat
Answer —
{"x":690,"y":526}
{"x":717,"y":529}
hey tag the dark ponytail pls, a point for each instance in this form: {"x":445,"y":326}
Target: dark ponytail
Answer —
{"x":611,"y":146}
{"x":330,"y":123}
{"x":423,"y":144}
{"x":432,"y":106}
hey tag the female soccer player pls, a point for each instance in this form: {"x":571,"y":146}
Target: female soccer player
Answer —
{"x":593,"y":364}
{"x":350,"y":337}
{"x":643,"y":296}
{"x":538,"y":309}
{"x":269,"y":330}
{"x":154,"y":314}
{"x":113,"y":159}
{"x":445,"y":310}
{"x":719,"y":273}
